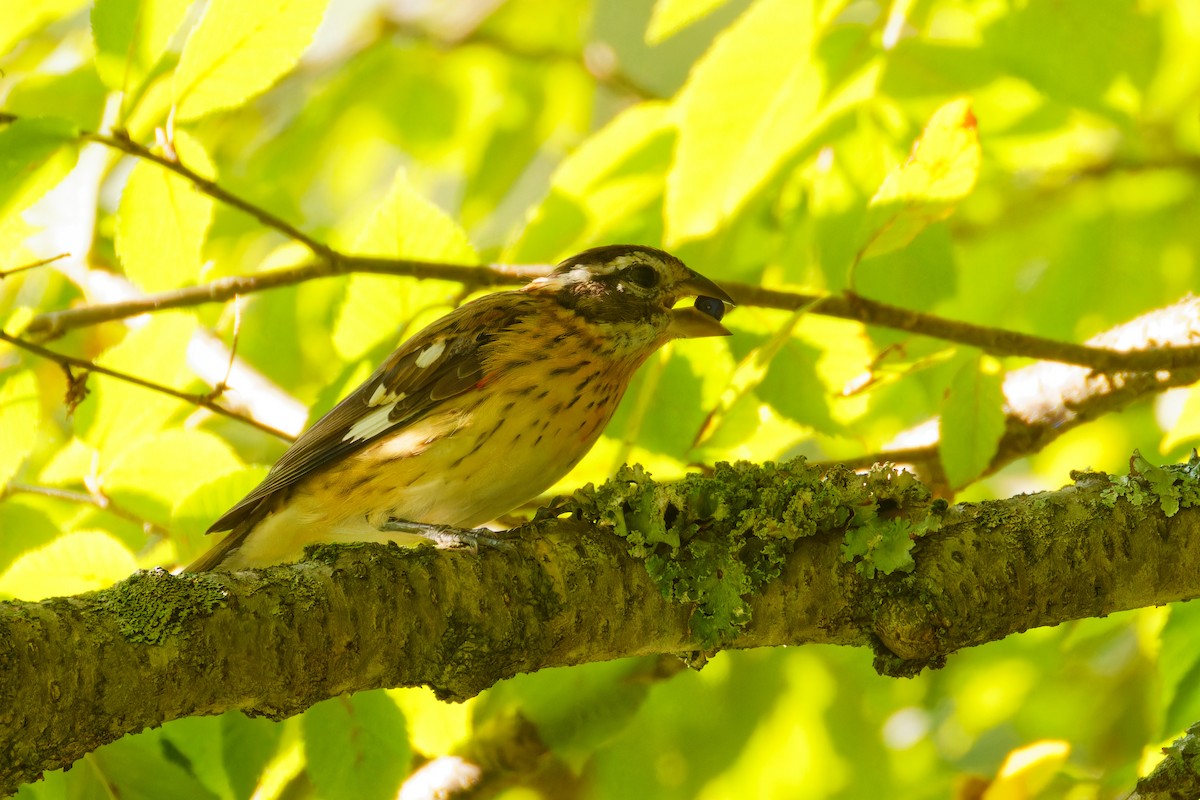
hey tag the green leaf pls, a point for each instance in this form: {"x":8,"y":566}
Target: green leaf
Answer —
{"x":575,"y":710}
{"x":196,"y":510}
{"x":1071,"y":53}
{"x":356,"y":746}
{"x":972,"y":420}
{"x":756,"y":99}
{"x":941,"y":171}
{"x":20,"y":414}
{"x":240,"y":49}
{"x":671,"y":16}
{"x":247,"y":746}
{"x":26,"y":528}
{"x":77,"y":96}
{"x":143,"y":767}
{"x":27,"y":166}
{"x":1187,"y":426}
{"x":150,"y":475}
{"x":23,"y":17}
{"x":604,"y":190}
{"x":131,"y":35}
{"x":404,"y":225}
{"x":1179,"y":665}
{"x":74,"y":562}
{"x":119,"y":414}
{"x":163,"y":219}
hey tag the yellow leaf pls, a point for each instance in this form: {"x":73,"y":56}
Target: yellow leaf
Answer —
{"x":941,"y":171}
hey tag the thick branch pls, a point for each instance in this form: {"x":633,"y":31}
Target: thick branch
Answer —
{"x":81,"y":671}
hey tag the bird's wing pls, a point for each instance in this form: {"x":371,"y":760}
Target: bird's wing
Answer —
{"x":442,"y":361}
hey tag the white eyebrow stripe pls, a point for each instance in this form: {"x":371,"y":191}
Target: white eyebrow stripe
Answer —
{"x":431,"y":353}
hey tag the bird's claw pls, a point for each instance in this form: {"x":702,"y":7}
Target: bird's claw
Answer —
{"x":447,"y":537}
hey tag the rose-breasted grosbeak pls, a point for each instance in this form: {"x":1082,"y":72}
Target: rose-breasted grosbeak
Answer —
{"x":477,"y":413}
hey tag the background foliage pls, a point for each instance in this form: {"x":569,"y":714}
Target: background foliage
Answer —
{"x":763,"y":143}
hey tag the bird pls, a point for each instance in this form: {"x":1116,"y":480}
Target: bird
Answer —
{"x":480,"y":411}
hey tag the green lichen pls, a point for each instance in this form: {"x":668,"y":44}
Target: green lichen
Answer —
{"x":152,"y":605}
{"x":714,"y":541}
{"x":1172,"y":487}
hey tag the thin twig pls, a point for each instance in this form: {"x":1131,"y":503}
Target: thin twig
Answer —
{"x":66,"y":362}
{"x":100,"y":501}
{"x":4,"y":273}
{"x":55,"y":323}
{"x":121,"y":141}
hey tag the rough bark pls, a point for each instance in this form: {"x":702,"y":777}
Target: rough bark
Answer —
{"x":78,"y":672}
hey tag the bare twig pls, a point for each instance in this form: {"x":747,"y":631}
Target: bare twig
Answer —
{"x":1046,"y":400}
{"x":55,"y":323}
{"x":100,"y":501}
{"x":4,"y":273}
{"x":66,"y":362}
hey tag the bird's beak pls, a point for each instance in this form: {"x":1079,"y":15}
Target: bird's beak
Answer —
{"x":693,"y":323}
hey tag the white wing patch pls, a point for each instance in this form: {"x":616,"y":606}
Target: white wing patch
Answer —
{"x":431,"y":354}
{"x":382,"y":397}
{"x":373,"y":422}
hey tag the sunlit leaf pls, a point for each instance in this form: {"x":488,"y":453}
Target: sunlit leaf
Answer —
{"x":239,"y":49}
{"x":1187,"y":425}
{"x":356,"y":746}
{"x":1180,"y":669}
{"x":72,"y":563}
{"x":972,"y":420}
{"x":19,"y":417}
{"x":21,"y":17}
{"x":1027,"y":770}
{"x":149,"y":476}
{"x":130,"y":37}
{"x":755,"y":99}
{"x":163,"y":219}
{"x":118,"y":414}
{"x":941,"y":171}
{"x":602,"y":191}
{"x":671,"y":16}
{"x":404,"y":225}
{"x":28,"y":168}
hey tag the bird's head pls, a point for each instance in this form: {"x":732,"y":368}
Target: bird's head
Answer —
{"x":635,"y":288}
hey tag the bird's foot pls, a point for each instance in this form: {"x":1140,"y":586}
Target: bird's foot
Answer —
{"x":448,"y":537}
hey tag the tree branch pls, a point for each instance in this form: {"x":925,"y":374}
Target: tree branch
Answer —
{"x":66,"y":361}
{"x":1046,"y":400}
{"x":85,"y":670}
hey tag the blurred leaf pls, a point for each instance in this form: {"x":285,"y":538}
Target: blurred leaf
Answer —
{"x":972,"y":420}
{"x":77,"y":97}
{"x":144,"y":767}
{"x":1028,"y":770}
{"x":1187,"y":426}
{"x":27,"y":167}
{"x":150,"y":475}
{"x":239,"y":49}
{"x":672,"y":16}
{"x":22,"y":17}
{"x":941,"y":171}
{"x":769,"y":67}
{"x":1179,"y":667}
{"x":404,"y":225}
{"x":356,"y":746}
{"x":119,"y":414}
{"x":23,"y":527}
{"x":575,"y":710}
{"x":199,"y":743}
{"x":131,"y":35}
{"x":601,"y":192}
{"x":918,"y":276}
{"x":19,"y":418}
{"x":1073,"y":54}
{"x":163,"y":219}
{"x":194,"y":512}
{"x":72,"y":563}
{"x":247,"y":746}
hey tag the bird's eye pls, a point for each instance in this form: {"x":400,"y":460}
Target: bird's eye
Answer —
{"x":644,"y":276}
